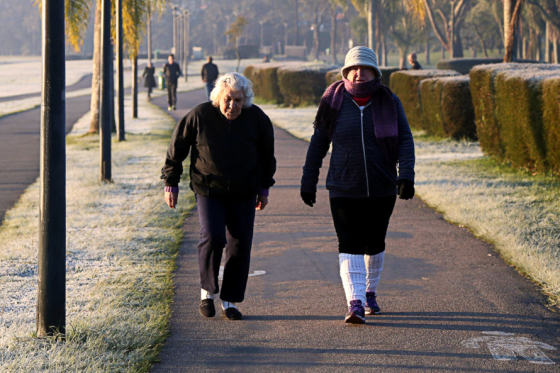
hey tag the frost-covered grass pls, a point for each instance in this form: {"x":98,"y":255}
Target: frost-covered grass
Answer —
{"x":519,"y":213}
{"x":122,"y":242}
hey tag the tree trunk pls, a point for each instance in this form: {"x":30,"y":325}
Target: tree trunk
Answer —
{"x":149,"y":36}
{"x":538,"y":56}
{"x":427,"y":52}
{"x":402,"y":59}
{"x":378,"y":32}
{"x":457,"y":46}
{"x":333,"y":34}
{"x":547,"y":43}
{"x":135,"y":87}
{"x":385,"y":59}
{"x":296,"y":41}
{"x":371,"y":23}
{"x":94,"y":106}
{"x":512,"y":14}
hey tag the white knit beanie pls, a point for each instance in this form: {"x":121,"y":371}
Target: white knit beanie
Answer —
{"x":360,"y":56}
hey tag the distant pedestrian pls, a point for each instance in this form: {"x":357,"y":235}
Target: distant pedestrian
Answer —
{"x":413,"y":61}
{"x":209,"y":75}
{"x":231,"y":142}
{"x":172,"y":72}
{"x":367,"y":127}
{"x":149,"y":81}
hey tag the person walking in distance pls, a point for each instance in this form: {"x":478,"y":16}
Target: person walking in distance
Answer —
{"x":413,"y":61}
{"x":149,"y":81}
{"x":231,"y":143}
{"x":172,"y":72}
{"x":209,"y":75}
{"x":366,"y":124}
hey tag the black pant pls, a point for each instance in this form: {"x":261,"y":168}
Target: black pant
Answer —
{"x":171,"y":93}
{"x":225,"y":223}
{"x":361,"y":224}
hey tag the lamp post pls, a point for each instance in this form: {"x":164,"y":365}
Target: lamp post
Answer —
{"x":174,"y":13}
{"x":105,"y":117}
{"x":262,"y":33}
{"x":186,"y":42}
{"x":51,"y":296}
{"x":120,"y":70}
{"x":285,"y":36}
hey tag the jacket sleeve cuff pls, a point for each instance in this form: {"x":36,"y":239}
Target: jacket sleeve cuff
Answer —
{"x":174,"y":189}
{"x":407,"y":176}
{"x":264,"y":192}
{"x":308,"y":188}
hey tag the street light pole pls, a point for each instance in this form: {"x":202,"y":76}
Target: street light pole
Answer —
{"x":174,"y":12}
{"x":285,"y":36}
{"x":51,"y":297}
{"x":105,"y":104}
{"x":262,"y":34}
{"x":187,"y":46}
{"x":120,"y":70}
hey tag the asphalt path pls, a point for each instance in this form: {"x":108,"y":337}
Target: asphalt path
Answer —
{"x":449,"y":303}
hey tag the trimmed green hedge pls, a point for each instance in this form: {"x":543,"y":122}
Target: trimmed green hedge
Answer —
{"x":304,"y":84}
{"x":551,"y":121}
{"x":406,"y":85}
{"x":265,"y":81}
{"x":464,"y":65}
{"x":334,"y":75}
{"x":447,"y":109}
{"x":510,"y":108}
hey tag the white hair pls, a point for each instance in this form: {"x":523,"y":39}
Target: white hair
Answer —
{"x":236,"y":82}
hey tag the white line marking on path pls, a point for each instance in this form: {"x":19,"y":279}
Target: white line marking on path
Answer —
{"x":505,"y":347}
{"x":255,"y":273}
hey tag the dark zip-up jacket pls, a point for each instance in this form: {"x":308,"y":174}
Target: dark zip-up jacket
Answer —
{"x":358,"y":168}
{"x":209,"y":72}
{"x":172,"y":72}
{"x":227,"y":159}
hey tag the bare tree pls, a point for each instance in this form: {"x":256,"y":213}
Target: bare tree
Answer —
{"x":447,"y":30}
{"x":512,"y":15}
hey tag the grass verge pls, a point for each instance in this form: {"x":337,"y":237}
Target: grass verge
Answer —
{"x":122,"y":243}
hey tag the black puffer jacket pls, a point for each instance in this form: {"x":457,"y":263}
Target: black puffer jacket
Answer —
{"x":234,"y":159}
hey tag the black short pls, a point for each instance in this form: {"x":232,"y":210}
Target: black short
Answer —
{"x":361,"y":224}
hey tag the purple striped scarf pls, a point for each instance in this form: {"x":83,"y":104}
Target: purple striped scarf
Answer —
{"x":382,"y":105}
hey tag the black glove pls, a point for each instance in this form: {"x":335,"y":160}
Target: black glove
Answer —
{"x":308,"y":198}
{"x":405,"y":189}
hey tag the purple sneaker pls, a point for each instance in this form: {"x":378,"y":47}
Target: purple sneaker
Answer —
{"x":356,"y":313}
{"x":372,"y":308}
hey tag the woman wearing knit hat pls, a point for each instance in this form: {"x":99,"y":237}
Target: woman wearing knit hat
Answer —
{"x":370,"y":136}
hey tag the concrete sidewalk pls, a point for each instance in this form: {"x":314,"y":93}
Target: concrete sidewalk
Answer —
{"x":448,"y":302}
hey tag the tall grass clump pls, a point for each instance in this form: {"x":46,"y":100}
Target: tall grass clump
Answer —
{"x":121,"y":251}
{"x":406,"y":85}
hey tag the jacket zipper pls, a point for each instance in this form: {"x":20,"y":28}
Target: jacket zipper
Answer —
{"x":363,"y":142}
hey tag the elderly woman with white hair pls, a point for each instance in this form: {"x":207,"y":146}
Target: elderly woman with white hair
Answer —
{"x":231,"y":143}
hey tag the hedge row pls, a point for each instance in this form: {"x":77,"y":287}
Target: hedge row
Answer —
{"x":406,"y":85}
{"x":517,"y":114}
{"x":265,"y":81}
{"x":303,"y":84}
{"x":464,"y":65}
{"x":447,"y":109}
{"x":334,"y":75}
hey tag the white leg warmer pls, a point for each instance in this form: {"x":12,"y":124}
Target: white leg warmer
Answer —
{"x":205,"y":295}
{"x":353,"y":275}
{"x":374,"y":266}
{"x":226,"y":305}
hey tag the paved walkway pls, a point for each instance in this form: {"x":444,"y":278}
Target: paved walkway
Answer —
{"x":446,"y":299}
